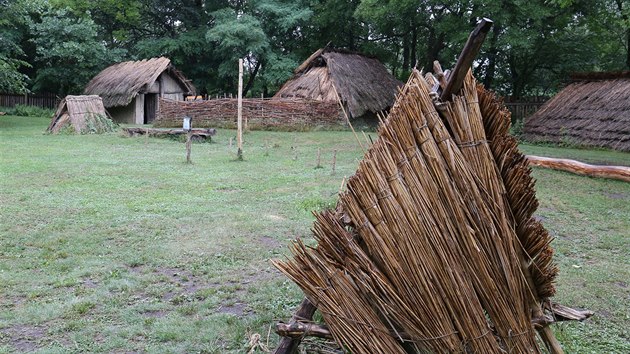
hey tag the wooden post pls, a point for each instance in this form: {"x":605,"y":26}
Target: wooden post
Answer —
{"x":239,"y":136}
{"x":188,"y":146}
{"x":464,"y":62}
{"x":319,"y":158}
{"x":231,"y":142}
{"x":334,"y":163}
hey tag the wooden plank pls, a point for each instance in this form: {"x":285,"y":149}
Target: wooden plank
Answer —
{"x":464,"y":62}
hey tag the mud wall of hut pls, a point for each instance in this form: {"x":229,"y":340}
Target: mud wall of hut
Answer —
{"x":260,"y":114}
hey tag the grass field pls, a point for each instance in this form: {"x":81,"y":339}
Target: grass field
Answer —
{"x":113,"y":244}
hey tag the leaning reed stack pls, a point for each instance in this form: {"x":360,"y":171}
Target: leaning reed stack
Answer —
{"x":425,"y":250}
{"x":516,"y":174}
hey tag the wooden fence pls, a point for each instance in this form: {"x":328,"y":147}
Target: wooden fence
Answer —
{"x":45,"y":100}
{"x":524,"y":107}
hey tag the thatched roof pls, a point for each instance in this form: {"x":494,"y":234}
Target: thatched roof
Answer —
{"x":594,"y":110}
{"x":120,"y":83}
{"x":84,"y":114}
{"x":362,"y":83}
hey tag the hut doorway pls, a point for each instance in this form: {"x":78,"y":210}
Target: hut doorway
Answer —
{"x":150,"y":107}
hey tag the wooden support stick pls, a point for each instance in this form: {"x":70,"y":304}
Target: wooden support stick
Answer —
{"x":239,"y":153}
{"x":289,"y":345}
{"x":334,"y":163}
{"x":621,"y":173}
{"x":319,"y":158}
{"x":188,"y":146}
{"x":464,"y":62}
{"x":298,"y":329}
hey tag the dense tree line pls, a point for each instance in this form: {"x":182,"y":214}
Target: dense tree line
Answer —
{"x":58,"y":45}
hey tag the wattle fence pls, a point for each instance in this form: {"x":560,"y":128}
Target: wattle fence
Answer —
{"x":43,"y":100}
{"x":274,"y":114}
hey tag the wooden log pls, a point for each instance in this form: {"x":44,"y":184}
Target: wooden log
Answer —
{"x":196,"y":133}
{"x":299,"y":329}
{"x":289,"y":345}
{"x":621,"y":173}
{"x":464,"y":62}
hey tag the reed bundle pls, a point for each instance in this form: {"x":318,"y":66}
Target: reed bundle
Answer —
{"x":429,"y":249}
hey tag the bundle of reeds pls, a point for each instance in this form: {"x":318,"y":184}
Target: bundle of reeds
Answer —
{"x":429,"y":250}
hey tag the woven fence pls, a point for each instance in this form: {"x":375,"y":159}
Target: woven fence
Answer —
{"x":271,"y":114}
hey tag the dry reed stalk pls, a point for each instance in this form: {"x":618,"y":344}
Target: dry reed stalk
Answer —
{"x":519,"y":184}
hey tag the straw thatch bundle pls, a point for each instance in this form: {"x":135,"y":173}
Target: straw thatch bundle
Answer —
{"x":120,"y":83}
{"x":82,"y":114}
{"x":361,"y":83}
{"x":433,"y":247}
{"x":591,"y":111}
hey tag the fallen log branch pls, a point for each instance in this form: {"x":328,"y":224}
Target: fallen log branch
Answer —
{"x":613,"y":172}
{"x":565,"y":313}
{"x":197,"y":134}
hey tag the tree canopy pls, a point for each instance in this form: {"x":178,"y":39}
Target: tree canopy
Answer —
{"x":58,"y":45}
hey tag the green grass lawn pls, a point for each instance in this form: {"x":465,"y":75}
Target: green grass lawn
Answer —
{"x":114,"y":244}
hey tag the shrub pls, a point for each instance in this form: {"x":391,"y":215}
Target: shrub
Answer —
{"x":31,"y":111}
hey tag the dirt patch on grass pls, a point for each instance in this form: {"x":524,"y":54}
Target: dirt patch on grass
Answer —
{"x":269,"y":242}
{"x":617,"y":196}
{"x":238,"y":309}
{"x":24,"y":338}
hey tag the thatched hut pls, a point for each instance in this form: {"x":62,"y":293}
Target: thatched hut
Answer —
{"x":361,"y":83}
{"x":130,"y":90}
{"x":81,"y":114}
{"x":594,"y":110}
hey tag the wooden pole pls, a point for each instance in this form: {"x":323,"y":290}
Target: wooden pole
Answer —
{"x":239,"y":136}
{"x":464,"y":62}
{"x":188,"y":145}
{"x":319,"y":158}
{"x":334,"y":163}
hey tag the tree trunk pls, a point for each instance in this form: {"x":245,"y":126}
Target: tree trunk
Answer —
{"x":414,"y":45}
{"x":405,"y":65}
{"x":252,"y":76}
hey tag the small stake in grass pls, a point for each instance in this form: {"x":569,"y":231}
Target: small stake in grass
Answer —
{"x":334,"y":163}
{"x":319,"y":158}
{"x":230,"y":142}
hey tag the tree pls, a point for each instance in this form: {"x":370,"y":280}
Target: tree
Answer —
{"x":13,"y":30}
{"x":264,"y":33}
{"x":68,"y":52}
